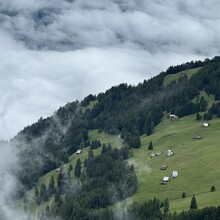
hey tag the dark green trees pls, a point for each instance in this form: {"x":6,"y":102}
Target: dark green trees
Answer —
{"x":193,"y":204}
{"x":77,"y":171}
{"x":150,"y":146}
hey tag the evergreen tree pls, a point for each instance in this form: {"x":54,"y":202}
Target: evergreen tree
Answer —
{"x":70,"y":167}
{"x":51,"y":189}
{"x":217,"y":214}
{"x":213,"y":189}
{"x":198,"y":116}
{"x":77,"y":171}
{"x":193,"y":204}
{"x":209,"y":115}
{"x":90,"y":153}
{"x":150,"y":146}
{"x":184,"y":195}
{"x":43,"y":193}
{"x":36,"y":192}
{"x":59,"y":179}
{"x":58,"y":199}
{"x":218,"y":112}
{"x":203,"y":104}
{"x":166,"y":206}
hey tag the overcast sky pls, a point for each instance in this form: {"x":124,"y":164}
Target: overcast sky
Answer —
{"x":56,"y":51}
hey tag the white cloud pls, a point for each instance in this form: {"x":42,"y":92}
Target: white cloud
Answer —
{"x":55,"y":51}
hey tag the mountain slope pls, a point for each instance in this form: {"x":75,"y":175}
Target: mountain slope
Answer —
{"x":137,"y":114}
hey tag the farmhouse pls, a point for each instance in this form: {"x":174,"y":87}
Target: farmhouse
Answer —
{"x":164,"y":180}
{"x":78,"y":151}
{"x":173,"y":117}
{"x":175,"y":174}
{"x":170,"y":153}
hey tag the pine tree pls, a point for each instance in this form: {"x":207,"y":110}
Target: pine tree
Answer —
{"x":70,"y":167}
{"x":198,"y":116}
{"x":90,"y":153}
{"x":213,"y":189}
{"x":57,"y":198}
{"x":36,"y":192}
{"x":59,"y":179}
{"x":150,"y":146}
{"x":193,"y":204}
{"x":43,"y":193}
{"x":184,"y":195}
{"x":77,"y":171}
{"x":218,"y":113}
{"x":217,"y":214}
{"x":209,"y":115}
{"x":166,"y":206}
{"x":51,"y":189}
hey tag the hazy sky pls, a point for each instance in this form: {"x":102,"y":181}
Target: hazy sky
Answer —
{"x":55,"y":51}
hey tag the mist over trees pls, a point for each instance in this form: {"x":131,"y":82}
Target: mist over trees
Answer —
{"x":124,"y":110}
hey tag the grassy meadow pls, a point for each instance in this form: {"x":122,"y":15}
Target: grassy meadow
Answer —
{"x":174,"y":77}
{"x":197,"y":161}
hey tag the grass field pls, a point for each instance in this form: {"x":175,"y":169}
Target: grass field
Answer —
{"x":196,"y":160}
{"x":174,"y":77}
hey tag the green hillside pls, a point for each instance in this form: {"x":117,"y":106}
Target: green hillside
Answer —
{"x":196,"y":160}
{"x":122,"y":122}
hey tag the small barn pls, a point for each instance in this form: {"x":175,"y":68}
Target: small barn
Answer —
{"x":170,"y":153}
{"x":175,"y":174}
{"x":58,"y":170}
{"x":173,"y":117}
{"x":78,"y":151}
{"x":163,"y":167}
{"x":165,"y":179}
{"x":205,"y":124}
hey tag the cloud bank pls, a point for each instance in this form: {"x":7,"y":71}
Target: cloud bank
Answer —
{"x":55,"y":51}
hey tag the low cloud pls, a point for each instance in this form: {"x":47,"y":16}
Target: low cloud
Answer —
{"x":57,"y":51}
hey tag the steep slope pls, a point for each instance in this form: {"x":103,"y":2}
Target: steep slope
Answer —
{"x":137,"y":114}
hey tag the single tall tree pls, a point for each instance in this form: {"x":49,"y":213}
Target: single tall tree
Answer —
{"x":36,"y":192}
{"x":193,"y":204}
{"x":184,"y":195}
{"x":150,"y":146}
{"x":198,"y":116}
{"x":51,"y":189}
{"x":166,"y":207}
{"x":213,"y":189}
{"x":43,"y":193}
{"x":90,"y":153}
{"x":77,"y":171}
